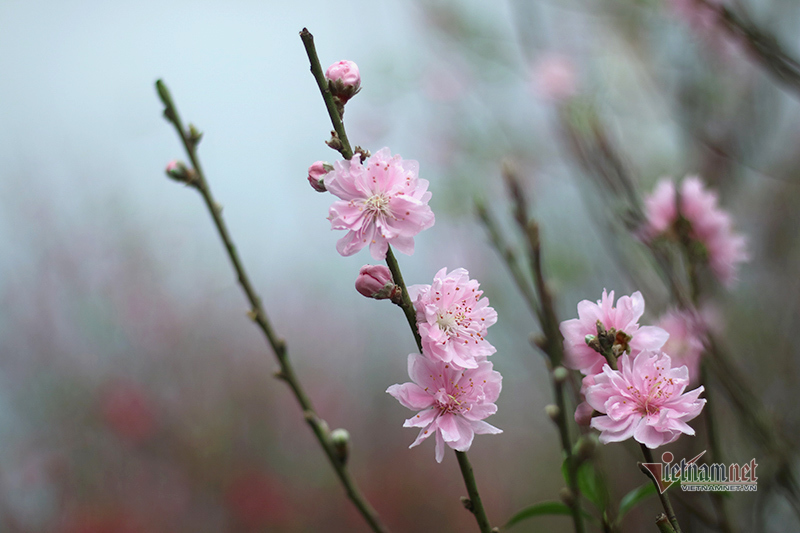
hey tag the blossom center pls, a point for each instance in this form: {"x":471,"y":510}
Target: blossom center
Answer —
{"x":378,"y":203}
{"x":447,"y":321}
{"x":448,"y":402}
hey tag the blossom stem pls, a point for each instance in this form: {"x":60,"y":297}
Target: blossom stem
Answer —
{"x":259,"y":316}
{"x":322,"y":83}
{"x":475,"y":504}
{"x":405,"y":299}
{"x":664,"y":497}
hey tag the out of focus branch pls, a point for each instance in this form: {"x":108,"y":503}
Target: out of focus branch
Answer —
{"x":196,"y":178}
{"x":764,"y":46}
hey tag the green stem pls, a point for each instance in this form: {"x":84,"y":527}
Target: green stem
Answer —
{"x":665,"y":503}
{"x":475,"y":505}
{"x":259,"y":316}
{"x":322,"y":83}
{"x":572,"y":463}
{"x":405,"y":304}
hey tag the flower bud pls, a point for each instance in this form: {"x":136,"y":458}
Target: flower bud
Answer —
{"x":177,"y":171}
{"x":340,"y":438}
{"x":315,"y":174}
{"x":583,"y":414}
{"x":553,"y":412}
{"x":375,"y":281}
{"x":344,"y":81}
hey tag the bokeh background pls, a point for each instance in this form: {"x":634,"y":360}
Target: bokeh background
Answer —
{"x":134,"y":393}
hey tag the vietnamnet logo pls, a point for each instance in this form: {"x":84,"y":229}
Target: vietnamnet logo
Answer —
{"x":703,"y":477}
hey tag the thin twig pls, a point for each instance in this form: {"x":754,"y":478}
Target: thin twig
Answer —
{"x":259,"y":316}
{"x":322,"y":83}
{"x":663,"y":496}
{"x":475,"y":505}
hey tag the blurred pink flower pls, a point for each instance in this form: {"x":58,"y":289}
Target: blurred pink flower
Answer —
{"x":584,"y":411}
{"x":375,"y":281}
{"x":553,"y":77}
{"x":644,"y":399}
{"x":453,"y":318}
{"x":685,"y":344}
{"x":256,"y":501}
{"x":382,"y":202}
{"x":452,"y":403}
{"x":709,"y":225}
{"x":661,"y":209}
{"x":623,"y":318}
{"x":127,"y":410}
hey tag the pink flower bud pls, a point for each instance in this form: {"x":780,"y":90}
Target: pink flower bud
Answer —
{"x":177,"y":170}
{"x":315,"y":174}
{"x":583,"y":414}
{"x":375,"y":281}
{"x":344,"y":80}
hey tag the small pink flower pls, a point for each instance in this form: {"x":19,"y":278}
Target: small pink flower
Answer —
{"x":661,"y":209}
{"x":375,"y":281}
{"x":685,"y":344}
{"x":452,"y":403}
{"x":584,"y":411}
{"x":708,"y":224}
{"x":644,"y":399}
{"x":623,"y":318}
{"x":344,"y":80}
{"x":316,"y":173}
{"x":382,"y":202}
{"x":554,"y":78}
{"x":453,"y":318}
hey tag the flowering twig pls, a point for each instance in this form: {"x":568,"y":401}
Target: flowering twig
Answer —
{"x":196,"y":179}
{"x":405,"y":299}
{"x":330,"y":104}
{"x":473,"y":504}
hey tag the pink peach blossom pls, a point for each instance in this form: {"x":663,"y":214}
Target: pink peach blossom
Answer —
{"x":554,"y":77}
{"x":453,"y":318}
{"x":382,"y":202}
{"x":661,"y":209}
{"x":452,"y":402}
{"x":623,"y":318}
{"x":685,"y":344}
{"x":344,"y":80}
{"x":644,"y":399}
{"x":709,"y":225}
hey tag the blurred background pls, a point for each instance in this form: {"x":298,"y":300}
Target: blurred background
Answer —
{"x":134,"y":393}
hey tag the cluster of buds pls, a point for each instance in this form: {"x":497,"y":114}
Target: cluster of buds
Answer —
{"x":609,"y":342}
